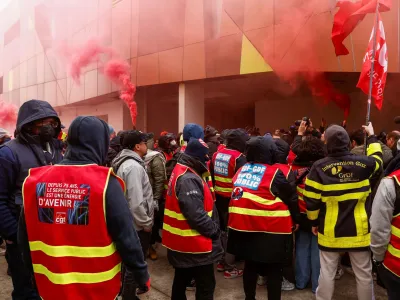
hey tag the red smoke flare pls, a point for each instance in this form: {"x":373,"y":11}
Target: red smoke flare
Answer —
{"x":8,"y":115}
{"x":119,"y":72}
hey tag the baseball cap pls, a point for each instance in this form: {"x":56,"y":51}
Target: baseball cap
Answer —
{"x":134,"y":137}
{"x":192,"y":130}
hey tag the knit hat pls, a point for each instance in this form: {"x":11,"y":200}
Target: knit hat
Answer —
{"x":197,"y":148}
{"x":110,"y":129}
{"x":192,"y":130}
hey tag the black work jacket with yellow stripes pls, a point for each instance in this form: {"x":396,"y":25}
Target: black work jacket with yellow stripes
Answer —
{"x":338,"y":197}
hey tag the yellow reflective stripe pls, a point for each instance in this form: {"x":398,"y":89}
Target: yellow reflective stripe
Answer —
{"x":360,"y":217}
{"x":259,"y":213}
{"x":221,"y":189}
{"x":260,"y":200}
{"x":373,"y":148}
{"x":181,"y":232}
{"x":337,"y":187}
{"x":76,"y":277}
{"x":332,"y":212}
{"x":395,"y":231}
{"x":378,"y":158}
{"x":300,"y":190}
{"x":344,"y":242}
{"x":62,"y":251}
{"x":392,"y":250}
{"x":222,"y":179}
{"x":311,"y":195}
{"x":179,"y":216}
{"x":348,"y":196}
{"x":312,"y":214}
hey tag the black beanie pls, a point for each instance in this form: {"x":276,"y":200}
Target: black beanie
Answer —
{"x":197,"y":148}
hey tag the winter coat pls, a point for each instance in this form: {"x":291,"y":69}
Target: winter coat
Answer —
{"x":190,"y":204}
{"x":88,"y":146}
{"x":386,"y":152}
{"x":17,"y":157}
{"x":155,"y":167}
{"x":113,"y":150}
{"x":131,"y":168}
{"x":267,"y":247}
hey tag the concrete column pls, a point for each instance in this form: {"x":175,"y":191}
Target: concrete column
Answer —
{"x":191,"y":104}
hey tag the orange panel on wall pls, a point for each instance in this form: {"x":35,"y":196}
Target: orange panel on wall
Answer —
{"x":258,"y":13}
{"x":147,"y":70}
{"x":148,"y":29}
{"x":171,"y":65}
{"x":194,"y":22}
{"x":235,"y":9}
{"x":171,"y":24}
{"x":194,"y":65}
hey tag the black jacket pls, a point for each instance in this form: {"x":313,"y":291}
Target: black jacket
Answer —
{"x":17,"y":157}
{"x":267,"y":247}
{"x":88,"y":143}
{"x":282,"y":152}
{"x":192,"y":207}
{"x":113,"y":150}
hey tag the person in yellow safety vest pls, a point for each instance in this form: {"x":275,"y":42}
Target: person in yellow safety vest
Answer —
{"x":76,"y":227}
{"x":223,"y":168}
{"x":385,"y":233}
{"x":338,"y":202}
{"x":263,"y":212}
{"x":191,"y":229}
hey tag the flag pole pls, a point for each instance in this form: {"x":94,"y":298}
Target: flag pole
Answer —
{"x":371,"y":75}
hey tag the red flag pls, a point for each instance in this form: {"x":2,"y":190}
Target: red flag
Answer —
{"x":380,"y":66}
{"x":349,"y":15}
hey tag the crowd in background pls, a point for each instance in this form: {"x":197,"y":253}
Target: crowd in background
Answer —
{"x":317,"y":202}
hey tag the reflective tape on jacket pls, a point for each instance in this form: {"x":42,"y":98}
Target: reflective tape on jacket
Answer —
{"x":224,"y":164}
{"x":177,"y":233}
{"x":76,"y":258}
{"x":392,"y":256}
{"x":253,"y":206}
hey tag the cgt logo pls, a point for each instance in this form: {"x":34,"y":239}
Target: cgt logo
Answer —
{"x":61,"y":218}
{"x":336,"y":170}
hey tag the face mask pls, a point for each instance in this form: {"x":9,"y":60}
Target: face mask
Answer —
{"x":46,"y":133}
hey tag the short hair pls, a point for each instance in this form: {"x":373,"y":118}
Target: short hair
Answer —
{"x":311,"y":149}
{"x":358,"y":136}
{"x":394,"y":134}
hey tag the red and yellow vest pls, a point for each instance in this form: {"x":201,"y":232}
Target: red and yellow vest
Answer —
{"x":73,"y":255}
{"x":177,"y":234}
{"x":300,"y":188}
{"x":253,"y":207}
{"x":392,"y":256}
{"x":224,"y":163}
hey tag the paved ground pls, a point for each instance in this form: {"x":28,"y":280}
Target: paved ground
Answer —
{"x":162,"y":276}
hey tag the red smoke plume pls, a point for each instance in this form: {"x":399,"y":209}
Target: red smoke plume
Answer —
{"x":8,"y":115}
{"x":119,"y":72}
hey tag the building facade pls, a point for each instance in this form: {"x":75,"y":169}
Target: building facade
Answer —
{"x":226,"y":63}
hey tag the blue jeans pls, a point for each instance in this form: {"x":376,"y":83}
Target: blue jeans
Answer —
{"x":307,"y":260}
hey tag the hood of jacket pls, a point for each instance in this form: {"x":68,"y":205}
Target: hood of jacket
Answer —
{"x":115,"y":143}
{"x":282,"y":152}
{"x":337,"y":140}
{"x":192,"y":163}
{"x":261,"y":150}
{"x":33,"y":110}
{"x":88,"y":140}
{"x":151,"y":154}
{"x":127,"y":153}
{"x":358,"y":150}
{"x":236,"y":140}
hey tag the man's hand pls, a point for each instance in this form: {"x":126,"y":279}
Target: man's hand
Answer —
{"x":296,"y":227}
{"x":369,"y":129}
{"x":144,"y":289}
{"x":323,"y":123}
{"x":147,"y":229}
{"x":314,"y":230}
{"x":302,"y":128}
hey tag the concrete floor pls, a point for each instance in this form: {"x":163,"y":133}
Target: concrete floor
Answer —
{"x":162,"y":276}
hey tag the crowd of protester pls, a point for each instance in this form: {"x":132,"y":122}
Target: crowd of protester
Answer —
{"x":296,"y":205}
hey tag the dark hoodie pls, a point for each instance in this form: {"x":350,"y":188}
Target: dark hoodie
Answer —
{"x":17,"y":157}
{"x":192,"y":207}
{"x":88,"y":141}
{"x":256,"y":246}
